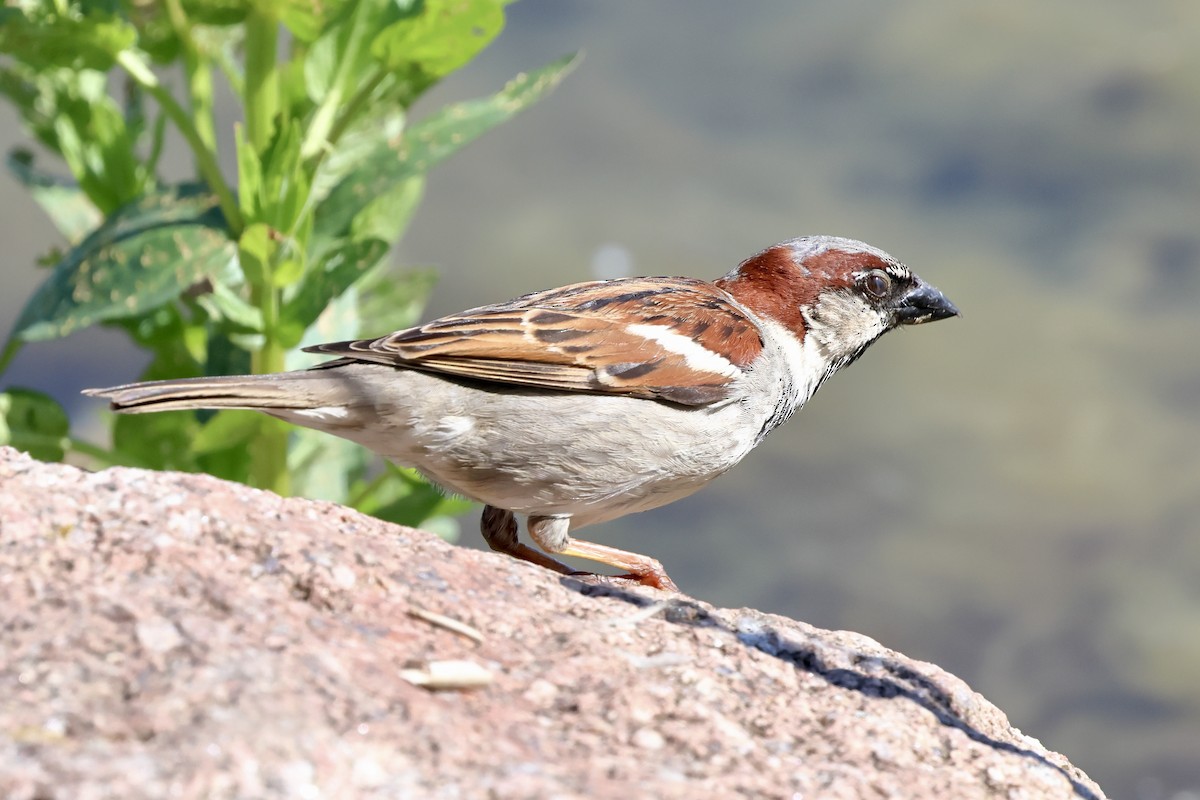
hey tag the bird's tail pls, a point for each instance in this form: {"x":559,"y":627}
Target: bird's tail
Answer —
{"x":304,"y":389}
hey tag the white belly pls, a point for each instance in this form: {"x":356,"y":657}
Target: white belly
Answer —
{"x":594,"y":457}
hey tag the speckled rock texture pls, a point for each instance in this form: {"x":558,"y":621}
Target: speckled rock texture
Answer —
{"x":169,"y":635}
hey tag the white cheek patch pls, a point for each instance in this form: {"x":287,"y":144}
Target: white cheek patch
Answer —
{"x":843,"y":324}
{"x":695,"y":355}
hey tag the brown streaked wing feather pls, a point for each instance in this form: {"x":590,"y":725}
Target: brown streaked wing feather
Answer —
{"x":578,"y":338}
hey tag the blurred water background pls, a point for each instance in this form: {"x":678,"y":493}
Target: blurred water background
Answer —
{"x":1014,"y":495}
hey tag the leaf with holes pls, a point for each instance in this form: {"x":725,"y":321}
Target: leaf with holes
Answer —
{"x":147,"y":253}
{"x":443,"y":37}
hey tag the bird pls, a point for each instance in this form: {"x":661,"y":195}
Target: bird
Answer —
{"x":580,"y":404}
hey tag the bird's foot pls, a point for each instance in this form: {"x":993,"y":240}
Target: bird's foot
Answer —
{"x":655,"y":580}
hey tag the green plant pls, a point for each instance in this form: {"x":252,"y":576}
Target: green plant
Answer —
{"x":214,"y":276}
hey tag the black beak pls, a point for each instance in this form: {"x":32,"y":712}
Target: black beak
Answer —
{"x":923,"y":303}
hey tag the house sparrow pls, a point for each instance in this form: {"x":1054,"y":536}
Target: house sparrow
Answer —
{"x":584,"y":403}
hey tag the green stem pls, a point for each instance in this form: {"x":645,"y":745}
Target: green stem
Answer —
{"x":262,"y":79}
{"x":156,"y":142}
{"x":200,"y":86}
{"x":268,"y":461}
{"x":206,"y":159}
{"x":268,"y":464}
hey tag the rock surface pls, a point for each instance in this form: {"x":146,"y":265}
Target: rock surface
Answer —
{"x":169,"y":635}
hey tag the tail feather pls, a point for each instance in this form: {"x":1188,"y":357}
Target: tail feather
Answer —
{"x":287,"y":390}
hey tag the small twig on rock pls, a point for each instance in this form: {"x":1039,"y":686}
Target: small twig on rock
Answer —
{"x":449,"y":623}
{"x":448,"y":675}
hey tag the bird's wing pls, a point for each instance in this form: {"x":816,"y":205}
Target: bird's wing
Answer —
{"x":679,"y":340}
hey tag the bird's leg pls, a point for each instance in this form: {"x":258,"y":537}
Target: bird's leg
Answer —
{"x":499,"y":529}
{"x":552,"y":535}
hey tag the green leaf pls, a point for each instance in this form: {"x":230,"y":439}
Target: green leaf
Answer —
{"x":165,"y":332}
{"x":45,"y":36}
{"x":273,"y":194}
{"x":72,"y":114}
{"x":33,"y":95}
{"x":304,"y":18}
{"x":111,"y":147}
{"x":324,"y":466}
{"x":97,"y":145}
{"x":340,"y":73}
{"x":340,"y":268}
{"x":160,"y":441}
{"x":62,"y":200}
{"x":216,"y":12}
{"x":428,"y":143}
{"x":387,"y":216}
{"x":284,"y":189}
{"x":321,"y":63}
{"x":223,"y":303}
{"x":407,"y":499}
{"x":380,"y":301}
{"x":287,"y":272}
{"x":226,"y":429}
{"x":156,"y":36}
{"x":443,"y":37}
{"x":33,"y":422}
{"x":293,"y":89}
{"x":387,"y":301}
{"x":146,"y":254}
{"x":255,"y":250}
{"x":369,"y":135}
{"x":223,"y":355}
{"x":250,"y":177}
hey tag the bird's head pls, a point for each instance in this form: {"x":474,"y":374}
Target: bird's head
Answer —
{"x":842,"y":293}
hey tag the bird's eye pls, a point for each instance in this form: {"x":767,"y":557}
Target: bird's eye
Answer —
{"x":877,"y":283}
